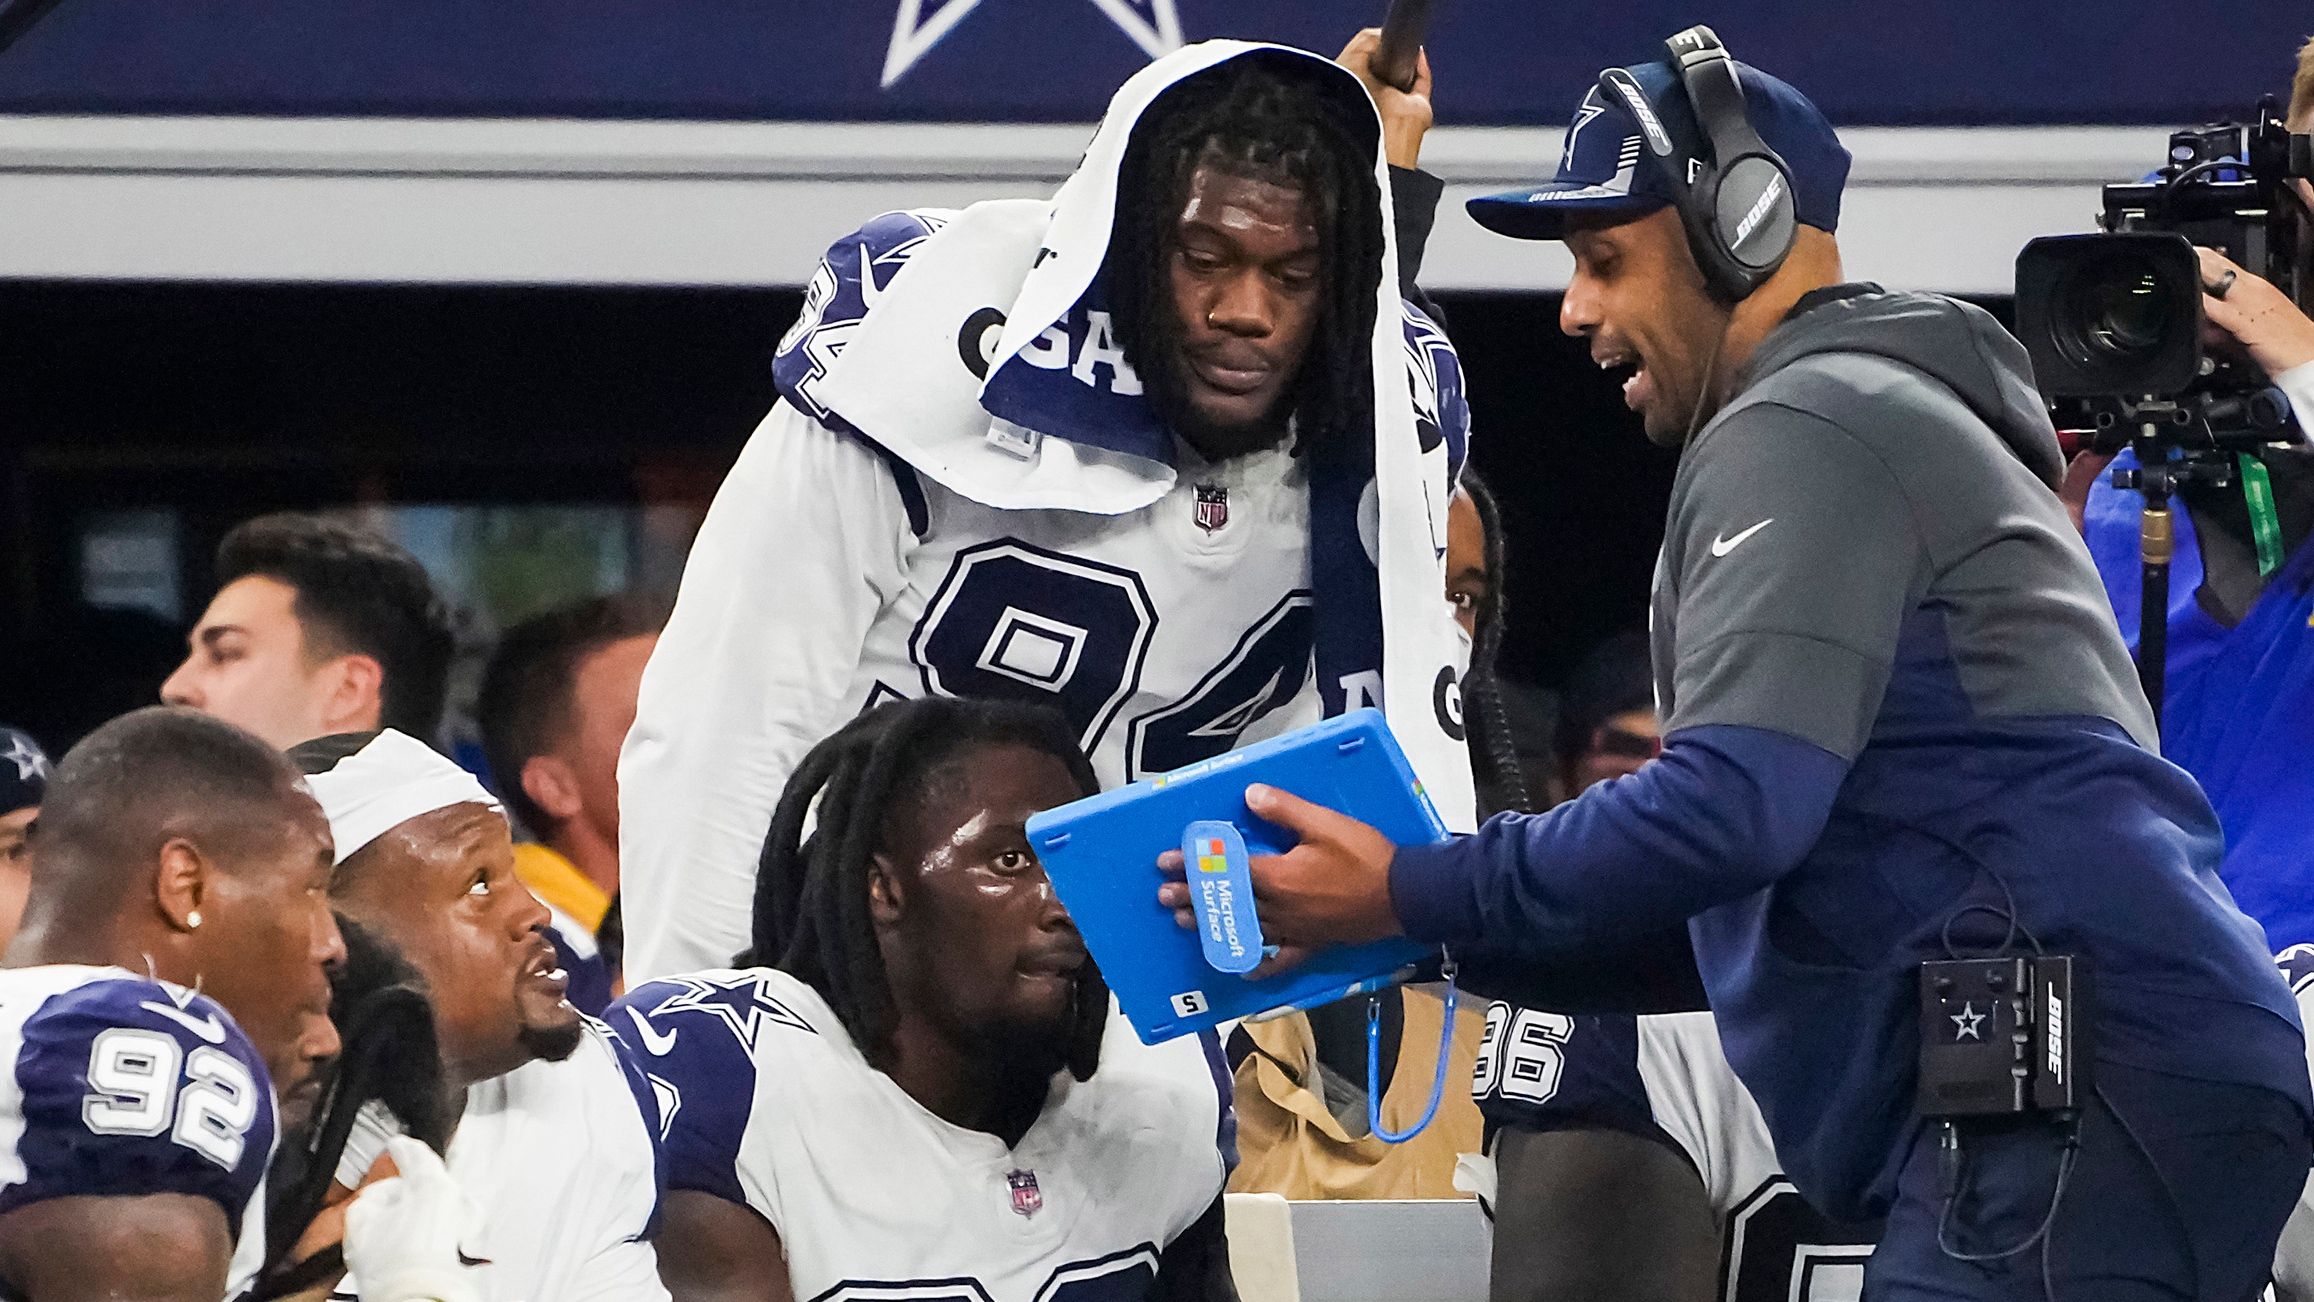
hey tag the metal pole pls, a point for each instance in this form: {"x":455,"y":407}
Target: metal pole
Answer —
{"x":2156,"y":539}
{"x":2156,"y":542}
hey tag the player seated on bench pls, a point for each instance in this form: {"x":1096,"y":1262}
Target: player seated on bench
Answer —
{"x":551,"y":1130}
{"x":169,"y":979}
{"x":898,"y":1082}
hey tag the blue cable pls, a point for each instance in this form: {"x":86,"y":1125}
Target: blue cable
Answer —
{"x":1374,"y":1064}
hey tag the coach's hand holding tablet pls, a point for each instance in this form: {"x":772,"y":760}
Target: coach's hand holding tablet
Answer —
{"x":1900,"y":728}
{"x":1331,"y":889}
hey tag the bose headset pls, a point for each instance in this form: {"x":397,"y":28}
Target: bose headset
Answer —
{"x":1733,"y":193}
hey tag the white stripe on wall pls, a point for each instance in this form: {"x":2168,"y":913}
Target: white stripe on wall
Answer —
{"x":553,"y":201}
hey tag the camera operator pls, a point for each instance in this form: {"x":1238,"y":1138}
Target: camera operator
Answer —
{"x":2275,"y":332}
{"x":2239,"y":673}
{"x":1900,"y":728}
{"x":2239,"y":680}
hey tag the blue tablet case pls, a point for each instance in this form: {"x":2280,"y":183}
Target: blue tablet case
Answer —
{"x":1101,"y":854}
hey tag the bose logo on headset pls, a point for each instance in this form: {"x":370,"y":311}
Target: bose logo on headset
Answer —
{"x":1760,"y":209}
{"x":1728,"y":186}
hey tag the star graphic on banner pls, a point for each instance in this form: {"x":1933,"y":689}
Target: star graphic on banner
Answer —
{"x":1967,"y":1019}
{"x":30,"y":763}
{"x":918,"y":25}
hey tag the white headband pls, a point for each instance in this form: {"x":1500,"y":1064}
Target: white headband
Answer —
{"x":386,"y":783}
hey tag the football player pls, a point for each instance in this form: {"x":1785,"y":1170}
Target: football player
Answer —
{"x":555,"y":1137}
{"x":2294,"y":1255}
{"x":915,"y":1075}
{"x":1147,"y":516}
{"x":1629,"y":1163}
{"x":169,"y":974}
{"x":23,"y":776}
{"x":389,"y":1058}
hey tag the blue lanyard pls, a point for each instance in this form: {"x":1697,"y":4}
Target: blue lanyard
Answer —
{"x":1374,"y":1064}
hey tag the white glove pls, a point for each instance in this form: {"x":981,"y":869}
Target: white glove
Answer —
{"x":402,"y":1233}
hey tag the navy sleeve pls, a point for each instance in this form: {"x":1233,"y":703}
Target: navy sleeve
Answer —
{"x":1723,"y":813}
{"x":131,"y":1088}
{"x":1414,"y":196}
{"x":1225,"y":1092}
{"x":654,"y":1114}
{"x":1651,"y":972}
{"x":701,"y":1075}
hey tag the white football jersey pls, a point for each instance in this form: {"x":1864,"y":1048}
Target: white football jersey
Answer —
{"x":563,"y":1160}
{"x":771,"y":1105}
{"x":119,"y":1086}
{"x":1666,"y":1076}
{"x":2294,"y":1255}
{"x":1167,"y":635}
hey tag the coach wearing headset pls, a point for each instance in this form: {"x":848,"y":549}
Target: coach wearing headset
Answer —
{"x":1899,"y":726}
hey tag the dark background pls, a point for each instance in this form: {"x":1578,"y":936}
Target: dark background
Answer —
{"x":225,"y":401}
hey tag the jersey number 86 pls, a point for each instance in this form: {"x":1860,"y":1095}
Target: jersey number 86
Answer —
{"x":1523,"y":1054}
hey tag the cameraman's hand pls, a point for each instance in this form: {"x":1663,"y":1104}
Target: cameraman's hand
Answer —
{"x":2278,"y":336}
{"x":1405,"y":113}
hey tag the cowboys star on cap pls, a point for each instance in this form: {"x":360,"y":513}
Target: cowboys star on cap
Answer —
{"x":918,"y":25}
{"x":30,"y":763}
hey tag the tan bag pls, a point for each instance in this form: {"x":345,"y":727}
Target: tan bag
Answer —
{"x":1288,"y":1143}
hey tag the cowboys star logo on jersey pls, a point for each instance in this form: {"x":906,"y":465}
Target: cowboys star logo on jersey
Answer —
{"x":741,"y":1000}
{"x":2297,"y":964}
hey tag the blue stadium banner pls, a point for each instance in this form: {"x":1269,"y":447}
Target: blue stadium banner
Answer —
{"x":1500,"y":62}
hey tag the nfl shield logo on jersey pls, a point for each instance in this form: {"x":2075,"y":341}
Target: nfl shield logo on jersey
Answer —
{"x":1212,"y":507}
{"x":1026,"y":1198}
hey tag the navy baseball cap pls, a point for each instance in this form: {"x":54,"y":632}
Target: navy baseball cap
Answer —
{"x":1605,"y":170}
{"x":23,"y":771}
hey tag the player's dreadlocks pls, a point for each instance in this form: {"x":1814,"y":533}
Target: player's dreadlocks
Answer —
{"x":811,"y":895}
{"x":390,"y":1057}
{"x":1494,"y":753}
{"x":1277,"y":118}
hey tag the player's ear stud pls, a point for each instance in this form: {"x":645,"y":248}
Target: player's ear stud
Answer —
{"x":192,"y":920}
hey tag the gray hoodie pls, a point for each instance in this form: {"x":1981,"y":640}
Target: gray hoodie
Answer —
{"x":1916,"y":602}
{"x":1901,"y":435}
{"x":1897,"y":711}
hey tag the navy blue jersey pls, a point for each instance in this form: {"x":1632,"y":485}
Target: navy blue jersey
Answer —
{"x":120,"y":1087}
{"x":1666,"y":1079}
